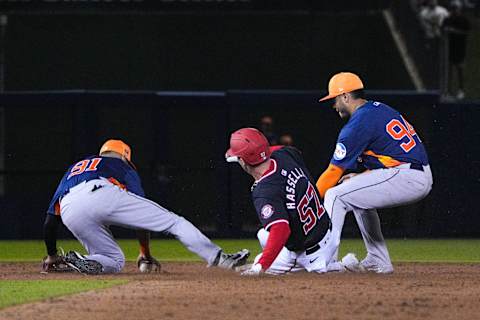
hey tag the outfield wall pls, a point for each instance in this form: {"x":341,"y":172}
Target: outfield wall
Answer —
{"x":197,"y":50}
{"x":179,"y":140}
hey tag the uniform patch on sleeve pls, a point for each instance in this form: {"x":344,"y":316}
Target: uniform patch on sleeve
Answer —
{"x":267,"y":211}
{"x":340,"y":151}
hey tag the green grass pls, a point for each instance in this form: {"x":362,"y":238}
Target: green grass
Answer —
{"x":165,"y":250}
{"x":423,"y":250}
{"x":410,"y":250}
{"x":14,"y":292}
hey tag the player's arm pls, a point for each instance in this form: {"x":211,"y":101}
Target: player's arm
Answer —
{"x":52,"y":221}
{"x":143,"y":237}
{"x":52,"y":262}
{"x":274,"y":217}
{"x":50,"y":227}
{"x":277,"y":238}
{"x":351,"y":143}
{"x":329,"y":179}
{"x":144,"y":255}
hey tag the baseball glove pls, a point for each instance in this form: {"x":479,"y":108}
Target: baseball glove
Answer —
{"x":55,"y":263}
{"x":148,"y":264}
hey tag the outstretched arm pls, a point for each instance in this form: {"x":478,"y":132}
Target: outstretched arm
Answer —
{"x":145,"y":261}
{"x":144,"y":242}
{"x":50,"y":227}
{"x":52,"y":262}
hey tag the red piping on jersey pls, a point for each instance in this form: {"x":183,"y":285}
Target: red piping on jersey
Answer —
{"x":274,"y":222}
{"x":275,"y":148}
{"x":271,"y":170}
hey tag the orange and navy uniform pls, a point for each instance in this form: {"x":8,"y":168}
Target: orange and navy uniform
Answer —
{"x":94,"y":167}
{"x":376,"y":136}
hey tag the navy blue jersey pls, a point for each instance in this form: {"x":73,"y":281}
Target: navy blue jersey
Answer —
{"x":94,"y":167}
{"x":287,"y":193}
{"x":377,"y":136}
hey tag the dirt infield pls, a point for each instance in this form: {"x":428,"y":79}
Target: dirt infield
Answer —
{"x":192,"y":291}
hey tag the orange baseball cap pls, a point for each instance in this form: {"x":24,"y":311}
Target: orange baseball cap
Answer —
{"x":119,"y":147}
{"x":343,"y":82}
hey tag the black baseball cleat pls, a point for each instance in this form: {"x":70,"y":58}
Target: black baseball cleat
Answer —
{"x":231,"y":261}
{"x":81,"y":264}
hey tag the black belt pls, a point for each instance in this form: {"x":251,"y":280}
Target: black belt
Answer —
{"x":312,"y":249}
{"x":416,"y":166}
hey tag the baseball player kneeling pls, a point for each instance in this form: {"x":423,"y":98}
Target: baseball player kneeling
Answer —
{"x":104,"y":190}
{"x":296,"y":229}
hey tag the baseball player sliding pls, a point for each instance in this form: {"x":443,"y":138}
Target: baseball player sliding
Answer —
{"x":296,"y":229}
{"x":105,"y":190}
{"x":379,"y":139}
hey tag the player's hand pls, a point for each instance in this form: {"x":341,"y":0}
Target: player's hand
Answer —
{"x":346,"y":177}
{"x":254,"y":270}
{"x":147,"y":264}
{"x":54,"y":263}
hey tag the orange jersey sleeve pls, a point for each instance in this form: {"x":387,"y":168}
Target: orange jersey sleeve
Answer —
{"x":329,"y":178}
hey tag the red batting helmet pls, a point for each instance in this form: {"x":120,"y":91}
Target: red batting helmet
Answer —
{"x":248,"y":144}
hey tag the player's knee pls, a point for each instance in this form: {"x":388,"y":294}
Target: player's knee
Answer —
{"x":178,"y":222}
{"x":335,"y":243}
{"x":262,"y":236}
{"x":257,"y":258}
{"x":330,"y":194}
{"x":329,"y":199}
{"x":119,"y":262}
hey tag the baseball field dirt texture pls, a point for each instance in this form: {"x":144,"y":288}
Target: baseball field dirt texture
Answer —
{"x":190,"y":290}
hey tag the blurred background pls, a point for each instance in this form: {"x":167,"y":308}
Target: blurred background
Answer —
{"x":173,"y":78}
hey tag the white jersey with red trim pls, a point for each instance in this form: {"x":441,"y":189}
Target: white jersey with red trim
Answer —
{"x":287,"y":194}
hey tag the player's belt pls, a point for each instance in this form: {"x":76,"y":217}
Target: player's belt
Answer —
{"x":416,"y":166}
{"x":319,"y":245}
{"x":312,"y":249}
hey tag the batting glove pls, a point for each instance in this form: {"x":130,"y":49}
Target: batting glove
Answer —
{"x":254,"y":270}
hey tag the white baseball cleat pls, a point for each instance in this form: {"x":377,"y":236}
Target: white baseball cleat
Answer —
{"x":231,"y":261}
{"x":371,"y":266}
{"x":81,"y":264}
{"x":351,"y":263}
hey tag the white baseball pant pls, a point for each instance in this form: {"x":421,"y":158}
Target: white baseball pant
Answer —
{"x":88,"y":213}
{"x":365,"y":193}
{"x":293,"y":261}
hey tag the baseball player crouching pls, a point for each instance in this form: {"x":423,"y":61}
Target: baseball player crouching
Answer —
{"x":105,"y":190}
{"x":379,"y":139}
{"x":296,"y":228}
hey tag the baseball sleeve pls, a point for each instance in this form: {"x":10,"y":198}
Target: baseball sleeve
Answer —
{"x":270,"y":211}
{"x":352,"y":142}
{"x":50,"y":227}
{"x":278,"y":236}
